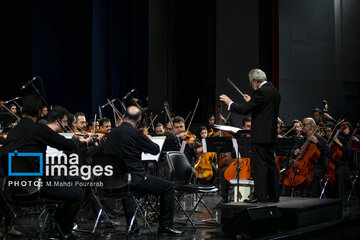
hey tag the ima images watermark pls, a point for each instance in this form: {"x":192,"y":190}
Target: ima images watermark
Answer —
{"x":57,"y":165}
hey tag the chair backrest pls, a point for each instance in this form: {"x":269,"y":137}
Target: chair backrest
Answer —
{"x":180,"y":170}
{"x":120,"y":170}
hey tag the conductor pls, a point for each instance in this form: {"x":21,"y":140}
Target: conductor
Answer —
{"x":263,"y":105}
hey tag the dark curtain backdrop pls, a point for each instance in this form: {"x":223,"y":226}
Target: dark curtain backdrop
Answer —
{"x":88,"y":51}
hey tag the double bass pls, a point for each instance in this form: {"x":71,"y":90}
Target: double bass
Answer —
{"x":300,"y":174}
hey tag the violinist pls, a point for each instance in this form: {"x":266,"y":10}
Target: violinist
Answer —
{"x":159,"y":129}
{"x":264,"y":108}
{"x":92,"y":124}
{"x":168,"y":129}
{"x":44,"y":112}
{"x":308,"y":126}
{"x":321,"y":117}
{"x":81,"y":120}
{"x":13,"y":108}
{"x":342,"y":167}
{"x":104,"y":124}
{"x":171,"y":143}
{"x":29,"y":136}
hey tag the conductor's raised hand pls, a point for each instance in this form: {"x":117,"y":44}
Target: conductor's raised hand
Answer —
{"x":225,"y":99}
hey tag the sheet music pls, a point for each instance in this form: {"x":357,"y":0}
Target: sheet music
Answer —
{"x":183,"y":145}
{"x":149,"y":157}
{"x":227,"y":128}
{"x":203,"y":141}
{"x":236,"y":147}
{"x":55,"y":152}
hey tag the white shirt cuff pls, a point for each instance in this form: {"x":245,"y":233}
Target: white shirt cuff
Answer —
{"x":230,"y":105}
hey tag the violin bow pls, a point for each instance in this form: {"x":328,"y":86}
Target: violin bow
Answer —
{"x":192,"y":116}
{"x":115,"y":111}
{"x":100,"y":113}
{"x":3,"y":105}
{"x":188,"y":116}
{"x":166,"y":107}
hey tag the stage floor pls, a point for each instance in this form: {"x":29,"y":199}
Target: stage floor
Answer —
{"x":346,"y":228}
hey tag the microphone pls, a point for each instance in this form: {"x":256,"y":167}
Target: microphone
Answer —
{"x":11,"y":100}
{"x":129,"y":93}
{"x":108,"y":103}
{"x":29,"y":82}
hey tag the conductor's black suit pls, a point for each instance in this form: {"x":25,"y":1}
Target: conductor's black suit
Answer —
{"x":264,"y":109}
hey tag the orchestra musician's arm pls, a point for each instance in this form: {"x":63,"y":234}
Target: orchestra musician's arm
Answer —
{"x":53,"y":139}
{"x":146,"y":145}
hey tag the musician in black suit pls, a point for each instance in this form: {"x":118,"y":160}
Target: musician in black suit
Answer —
{"x":128,"y":142}
{"x":264,"y":108}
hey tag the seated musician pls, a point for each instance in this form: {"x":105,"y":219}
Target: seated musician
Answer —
{"x":160,"y":129}
{"x":343,"y":141}
{"x":208,"y":156}
{"x":81,"y":120}
{"x":105,"y":124}
{"x":321,"y":117}
{"x":93,"y":124}
{"x":168,"y":129}
{"x":296,"y":124}
{"x":328,"y":130}
{"x":172,"y":143}
{"x":29,"y":136}
{"x":129,"y":142}
{"x":308,"y":126}
{"x":13,"y":108}
{"x":224,"y":184}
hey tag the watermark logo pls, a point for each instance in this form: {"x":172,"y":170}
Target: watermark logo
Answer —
{"x":16,"y":154}
{"x":58,"y":165}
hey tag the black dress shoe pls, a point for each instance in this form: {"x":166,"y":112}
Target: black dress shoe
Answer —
{"x":254,"y":201}
{"x":273,"y":200}
{"x":168,"y":231}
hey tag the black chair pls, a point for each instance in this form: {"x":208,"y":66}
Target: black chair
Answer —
{"x":29,"y":196}
{"x":117,"y":186}
{"x":181,"y":174}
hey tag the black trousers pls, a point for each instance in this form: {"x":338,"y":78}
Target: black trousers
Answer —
{"x":158,"y":187}
{"x":72,"y":197}
{"x":265,"y":172}
{"x":341,"y":171}
{"x":314,"y":189}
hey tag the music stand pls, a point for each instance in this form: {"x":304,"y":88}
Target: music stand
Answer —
{"x":218,"y":145}
{"x":244,"y":151}
{"x":283,"y":147}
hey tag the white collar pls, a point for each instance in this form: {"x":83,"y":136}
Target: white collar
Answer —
{"x":261,"y":84}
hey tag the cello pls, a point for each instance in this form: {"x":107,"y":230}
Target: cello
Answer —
{"x":300,"y":174}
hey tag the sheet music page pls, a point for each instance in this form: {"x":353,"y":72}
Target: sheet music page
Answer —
{"x":149,"y":157}
{"x":203,"y":141}
{"x":183,"y":145}
{"x":55,"y":152}
{"x":227,"y":128}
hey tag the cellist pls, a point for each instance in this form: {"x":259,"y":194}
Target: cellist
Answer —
{"x":204,"y":166}
{"x":308,"y":127}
